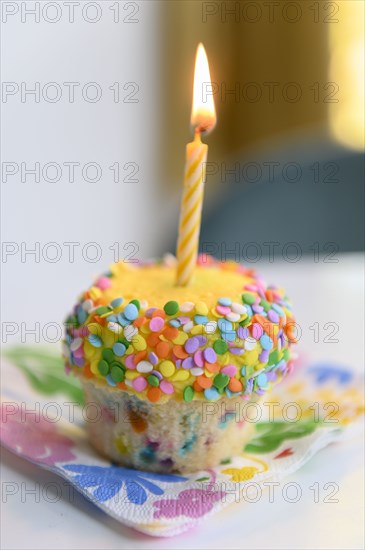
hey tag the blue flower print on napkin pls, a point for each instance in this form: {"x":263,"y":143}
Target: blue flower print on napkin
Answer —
{"x":109,"y":480}
{"x":325,"y":372}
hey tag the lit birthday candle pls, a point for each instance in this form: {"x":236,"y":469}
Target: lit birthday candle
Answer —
{"x":203,"y":120}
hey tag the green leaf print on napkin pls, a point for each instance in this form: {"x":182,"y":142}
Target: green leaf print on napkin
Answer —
{"x":44,"y":371}
{"x":270,"y":435}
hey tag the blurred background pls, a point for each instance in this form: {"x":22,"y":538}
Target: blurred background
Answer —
{"x":96,"y":101}
{"x":288,"y":83}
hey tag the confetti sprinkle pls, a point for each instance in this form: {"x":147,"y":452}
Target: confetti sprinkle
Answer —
{"x":191,"y":345}
{"x":171,"y":308}
{"x":131,"y":312}
{"x":236,"y":344}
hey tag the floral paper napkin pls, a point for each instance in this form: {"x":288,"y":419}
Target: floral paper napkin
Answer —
{"x":42,"y":421}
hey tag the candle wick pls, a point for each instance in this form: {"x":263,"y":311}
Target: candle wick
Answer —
{"x":197,"y":133}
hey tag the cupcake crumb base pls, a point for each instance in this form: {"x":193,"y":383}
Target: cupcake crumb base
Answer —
{"x":171,"y":437}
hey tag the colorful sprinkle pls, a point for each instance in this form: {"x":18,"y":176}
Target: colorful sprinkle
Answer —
{"x":130,"y":312}
{"x":87,"y":305}
{"x":95,"y":341}
{"x":153,"y":358}
{"x":248,"y":298}
{"x":211,"y":394}
{"x":225,"y":301}
{"x":186,"y":307}
{"x":139,"y":343}
{"x":201,"y":319}
{"x":171,"y":308}
{"x":153,"y":394}
{"x":225,"y":325}
{"x":136,"y":303}
{"x":110,"y":380}
{"x":188,"y":363}
{"x":229,"y":370}
{"x":102,"y":310}
{"x":191,"y":345}
{"x":103,"y":367}
{"x":211,"y":327}
{"x":220,"y":347}
{"x":108,"y":355}
{"x":130,"y":332}
{"x":261,"y":380}
{"x":223,"y":310}
{"x":153,"y":380}
{"x":167,"y":368}
{"x":250,"y":344}
{"x":167,"y":387}
{"x":196,"y":349}
{"x":201,"y":308}
{"x":266,"y":342}
{"x":234,"y":317}
{"x":279,"y":310}
{"x":119,"y":349}
{"x":116,"y":302}
{"x":188,"y":394}
{"x":144,"y":366}
{"x":123,"y":320}
{"x":199,"y":358}
{"x":238,"y":308}
{"x":273,"y":316}
{"x":243,"y":333}
{"x":129,"y":362}
{"x":76,"y":344}
{"x":180,"y":375}
{"x":197,"y":371}
{"x":117,"y":374}
{"x":156,"y":324}
{"x":235,"y":385}
{"x":103,"y":283}
{"x":139,"y":383}
{"x":257,"y":331}
{"x":221,"y":381}
{"x":210,"y":355}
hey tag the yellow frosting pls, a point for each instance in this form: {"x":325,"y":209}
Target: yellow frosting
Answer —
{"x":156,"y":284}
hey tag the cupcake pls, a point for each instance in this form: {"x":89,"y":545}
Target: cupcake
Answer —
{"x":170,"y":373}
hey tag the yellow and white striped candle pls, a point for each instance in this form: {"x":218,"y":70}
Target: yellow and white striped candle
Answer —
{"x":203,"y":119}
{"x":191,"y":208}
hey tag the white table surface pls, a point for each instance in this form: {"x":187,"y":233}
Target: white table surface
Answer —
{"x":323,"y":293}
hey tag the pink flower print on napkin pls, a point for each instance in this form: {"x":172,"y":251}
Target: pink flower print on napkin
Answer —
{"x":33,"y":436}
{"x":192,"y":503}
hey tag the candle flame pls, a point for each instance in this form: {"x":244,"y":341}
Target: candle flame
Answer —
{"x":203,"y":116}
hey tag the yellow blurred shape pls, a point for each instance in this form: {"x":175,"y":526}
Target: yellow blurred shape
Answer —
{"x":346,"y":116}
